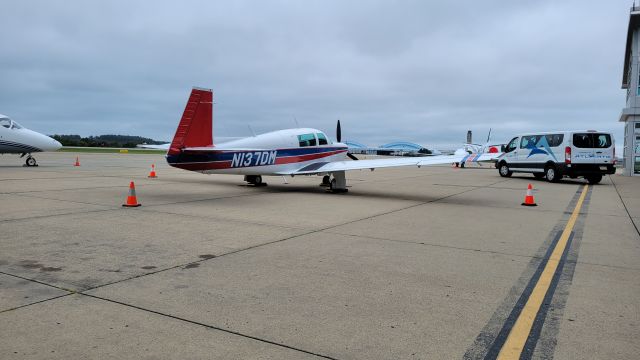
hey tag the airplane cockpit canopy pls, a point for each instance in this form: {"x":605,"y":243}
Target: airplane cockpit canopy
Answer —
{"x":310,"y":139}
{"x":9,"y":124}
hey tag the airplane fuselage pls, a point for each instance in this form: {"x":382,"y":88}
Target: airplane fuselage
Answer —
{"x":15,"y":139}
{"x":271,"y":153}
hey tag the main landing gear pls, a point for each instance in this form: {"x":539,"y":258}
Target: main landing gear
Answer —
{"x":339,"y":182}
{"x":255,"y":180}
{"x":326,"y":181}
{"x":30,"y":161}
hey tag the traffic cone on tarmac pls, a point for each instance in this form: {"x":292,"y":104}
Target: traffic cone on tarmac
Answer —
{"x":528,"y":199}
{"x":152,"y":174}
{"x":77,"y":161}
{"x":132,"y":200}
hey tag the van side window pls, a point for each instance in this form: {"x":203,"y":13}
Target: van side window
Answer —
{"x":307,"y":140}
{"x":513,"y":144}
{"x":582,"y":140}
{"x":529,"y":141}
{"x":322,"y":140}
{"x":602,"y":141}
{"x":554,"y":139}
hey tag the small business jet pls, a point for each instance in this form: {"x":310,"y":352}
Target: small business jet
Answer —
{"x":15,"y":139}
{"x":289,"y":152}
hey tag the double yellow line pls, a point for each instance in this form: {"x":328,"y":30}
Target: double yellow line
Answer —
{"x":513,"y":346}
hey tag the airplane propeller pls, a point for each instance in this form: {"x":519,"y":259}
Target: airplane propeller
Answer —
{"x":339,"y":138}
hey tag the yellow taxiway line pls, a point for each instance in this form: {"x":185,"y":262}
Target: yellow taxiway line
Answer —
{"x":513,"y":346}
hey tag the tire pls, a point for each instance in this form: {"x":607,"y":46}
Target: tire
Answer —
{"x":538,"y":175}
{"x":503,"y":170}
{"x":257,"y":180}
{"x":552,"y":174}
{"x":594,"y":179}
{"x":31,"y":161}
{"x":326,"y":180}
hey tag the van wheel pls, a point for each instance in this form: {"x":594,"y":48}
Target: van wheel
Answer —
{"x":552,"y":174}
{"x":504,"y":171}
{"x":538,"y":175}
{"x":594,"y":179}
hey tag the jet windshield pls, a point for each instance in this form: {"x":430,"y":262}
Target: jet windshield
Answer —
{"x":9,"y":124}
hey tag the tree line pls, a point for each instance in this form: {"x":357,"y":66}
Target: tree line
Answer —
{"x":123,"y":141}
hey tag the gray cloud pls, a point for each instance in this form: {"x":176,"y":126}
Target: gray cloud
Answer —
{"x":414,"y":70}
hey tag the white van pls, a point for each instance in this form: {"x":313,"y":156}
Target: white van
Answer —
{"x":589,"y":154}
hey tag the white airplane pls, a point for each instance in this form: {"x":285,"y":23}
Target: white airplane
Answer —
{"x":15,"y":139}
{"x":289,"y":152}
{"x":470,"y":148}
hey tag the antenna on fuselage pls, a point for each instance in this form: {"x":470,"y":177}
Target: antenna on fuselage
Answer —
{"x":296,"y":121}
{"x":252,"y":132}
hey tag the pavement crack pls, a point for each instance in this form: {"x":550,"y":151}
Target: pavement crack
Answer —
{"x":213,"y":327}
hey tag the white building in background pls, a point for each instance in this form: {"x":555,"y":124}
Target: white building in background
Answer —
{"x":631,"y":82}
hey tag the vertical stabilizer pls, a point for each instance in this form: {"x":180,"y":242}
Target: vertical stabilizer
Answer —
{"x":196,"y":126}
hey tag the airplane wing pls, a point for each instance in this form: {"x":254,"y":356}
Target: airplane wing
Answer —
{"x":156,"y":147}
{"x":327,"y":167}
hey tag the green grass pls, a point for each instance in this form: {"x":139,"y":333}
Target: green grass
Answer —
{"x":111,"y":150}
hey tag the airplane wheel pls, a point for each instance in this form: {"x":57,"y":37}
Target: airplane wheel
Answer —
{"x":257,"y":181}
{"x":326,"y":181}
{"x":31,"y":162}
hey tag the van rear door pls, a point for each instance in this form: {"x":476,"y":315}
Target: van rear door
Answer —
{"x":582,"y":151}
{"x":603,"y":148}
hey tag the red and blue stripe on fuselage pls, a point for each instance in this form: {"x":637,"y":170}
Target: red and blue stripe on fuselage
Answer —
{"x":221,"y":159}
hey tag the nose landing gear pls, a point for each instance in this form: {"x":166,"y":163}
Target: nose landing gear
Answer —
{"x":30,"y":161}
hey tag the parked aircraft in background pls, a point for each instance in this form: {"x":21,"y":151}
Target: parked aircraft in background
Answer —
{"x":303,"y":151}
{"x":471,"y":148}
{"x":15,"y":139}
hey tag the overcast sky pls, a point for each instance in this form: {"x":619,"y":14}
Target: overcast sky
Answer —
{"x":424,"y":71}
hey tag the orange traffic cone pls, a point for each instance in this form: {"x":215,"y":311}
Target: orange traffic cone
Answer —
{"x":528,"y":199}
{"x":152,"y":174}
{"x":132,"y":200}
{"x":77,"y":161}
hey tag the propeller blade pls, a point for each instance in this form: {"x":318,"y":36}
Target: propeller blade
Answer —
{"x":338,"y":132}
{"x":351,"y":156}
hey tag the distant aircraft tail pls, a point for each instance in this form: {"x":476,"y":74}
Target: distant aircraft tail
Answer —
{"x":196,"y":126}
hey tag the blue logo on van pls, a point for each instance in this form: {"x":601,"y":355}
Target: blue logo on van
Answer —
{"x":541,"y":147}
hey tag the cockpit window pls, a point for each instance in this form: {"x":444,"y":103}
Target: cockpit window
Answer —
{"x":322,"y":140}
{"x":15,"y":125}
{"x":5,"y":122}
{"x":307,"y":140}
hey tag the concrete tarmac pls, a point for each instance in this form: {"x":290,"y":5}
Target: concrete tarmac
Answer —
{"x":430,"y":263}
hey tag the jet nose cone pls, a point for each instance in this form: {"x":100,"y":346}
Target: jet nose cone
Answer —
{"x":51,"y":144}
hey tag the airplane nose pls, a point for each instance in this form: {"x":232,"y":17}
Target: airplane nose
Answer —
{"x":51,"y":144}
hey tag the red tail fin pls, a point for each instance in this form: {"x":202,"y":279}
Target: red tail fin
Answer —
{"x":196,"y":125}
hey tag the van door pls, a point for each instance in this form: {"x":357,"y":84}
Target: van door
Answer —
{"x":511,"y":152}
{"x":582,"y":151}
{"x":555,"y":146}
{"x":603,"y":148}
{"x":534,"y":152}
